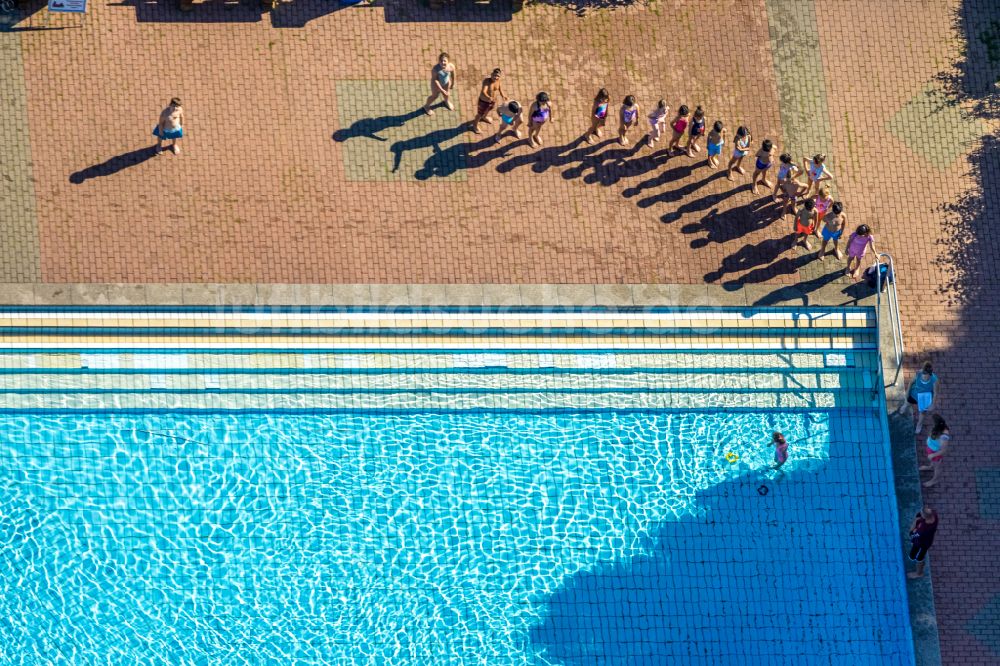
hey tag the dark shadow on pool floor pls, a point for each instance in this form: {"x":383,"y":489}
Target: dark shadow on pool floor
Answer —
{"x":747,"y":578}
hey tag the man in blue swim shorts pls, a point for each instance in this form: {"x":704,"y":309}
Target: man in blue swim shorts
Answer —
{"x":833,"y":229}
{"x":170,"y":126}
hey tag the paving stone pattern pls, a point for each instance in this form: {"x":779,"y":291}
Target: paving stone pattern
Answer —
{"x":385,"y":138}
{"x":19,"y":258}
{"x":264,"y":193}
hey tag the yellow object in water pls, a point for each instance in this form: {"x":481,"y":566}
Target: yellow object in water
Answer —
{"x":731,"y":458}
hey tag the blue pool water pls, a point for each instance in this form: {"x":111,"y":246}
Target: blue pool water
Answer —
{"x":447,"y":537}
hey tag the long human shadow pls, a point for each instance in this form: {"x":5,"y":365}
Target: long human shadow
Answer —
{"x":545,"y":158}
{"x":444,"y":162}
{"x":721,"y":226}
{"x":113,"y":165}
{"x":753,"y":568}
{"x":671,"y":196}
{"x":369,"y":128}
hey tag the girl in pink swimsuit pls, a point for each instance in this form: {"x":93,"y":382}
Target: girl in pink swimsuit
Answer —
{"x":857,"y":247}
{"x":780,"y":450}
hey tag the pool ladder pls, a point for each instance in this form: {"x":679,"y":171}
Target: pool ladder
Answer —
{"x":892,"y":301}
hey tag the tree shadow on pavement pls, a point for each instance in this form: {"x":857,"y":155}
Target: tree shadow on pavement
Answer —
{"x":113,"y":165}
{"x":369,"y":128}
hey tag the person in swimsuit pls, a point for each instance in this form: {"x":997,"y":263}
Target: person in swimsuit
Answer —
{"x":170,"y":126}
{"x":657,"y":122}
{"x":833,"y":229}
{"x":922,"y":531}
{"x":791,"y":191}
{"x":786,"y":169}
{"x":696,"y":132}
{"x":598,"y":115}
{"x":922,"y":394}
{"x":742,"y":140}
{"x":488,"y":96}
{"x":780,"y":450}
{"x":764,"y":162}
{"x":539,"y":114}
{"x":442,"y":82}
{"x":629,"y":116}
{"x":805,"y":223}
{"x":679,"y":126}
{"x":938,"y":442}
{"x":816,"y":170}
{"x":511,"y":117}
{"x":857,"y":247}
{"x":823,"y":203}
{"x":716,"y":140}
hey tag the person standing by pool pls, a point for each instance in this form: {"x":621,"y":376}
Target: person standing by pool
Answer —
{"x":511,"y":117}
{"x":762,"y":165}
{"x":740,"y":150}
{"x":716,"y":140}
{"x":780,"y":450}
{"x":833,"y":229}
{"x":696,"y":132}
{"x":598,"y":115}
{"x":628,"y":117}
{"x":488,"y":96}
{"x":922,"y":394}
{"x":817,"y":171}
{"x":170,"y":126}
{"x":442,"y":82}
{"x":857,"y":247}
{"x":657,"y":122}
{"x":539,"y":114}
{"x":922,"y":531}
{"x":937,"y":445}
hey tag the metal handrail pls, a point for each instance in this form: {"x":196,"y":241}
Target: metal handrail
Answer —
{"x":892,"y":298}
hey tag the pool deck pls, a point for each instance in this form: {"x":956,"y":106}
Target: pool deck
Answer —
{"x":312,"y":210}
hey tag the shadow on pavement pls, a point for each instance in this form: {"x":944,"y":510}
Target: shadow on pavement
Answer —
{"x":114,"y":165}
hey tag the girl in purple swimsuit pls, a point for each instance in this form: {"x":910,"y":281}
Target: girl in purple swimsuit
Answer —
{"x":598,"y":115}
{"x":539,"y":114}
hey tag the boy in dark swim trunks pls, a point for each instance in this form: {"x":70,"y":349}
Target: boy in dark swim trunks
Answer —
{"x":805,"y":224}
{"x":488,"y":95}
{"x":763,"y":163}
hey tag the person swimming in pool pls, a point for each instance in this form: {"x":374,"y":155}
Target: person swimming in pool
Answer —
{"x":780,"y":450}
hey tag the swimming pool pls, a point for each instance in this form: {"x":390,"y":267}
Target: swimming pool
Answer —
{"x":576,"y":497}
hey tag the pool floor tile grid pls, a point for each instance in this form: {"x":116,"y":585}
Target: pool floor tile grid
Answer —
{"x":554,"y":545}
{"x":607,"y":507}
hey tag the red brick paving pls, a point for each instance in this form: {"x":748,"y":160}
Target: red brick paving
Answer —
{"x":897,"y":50}
{"x":259,"y":193}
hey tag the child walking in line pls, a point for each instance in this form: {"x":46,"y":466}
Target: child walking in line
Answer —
{"x":786,"y":169}
{"x":511,"y":118}
{"x":716,"y":140}
{"x":629,"y":117}
{"x":817,"y":171}
{"x":598,"y":115}
{"x":740,"y":150}
{"x":833,"y":229}
{"x":679,"y":126}
{"x":762,"y":165}
{"x":697,"y":131}
{"x":791,"y":191}
{"x":489,"y":95}
{"x":805,"y":224}
{"x":657,"y":122}
{"x":539,"y":114}
{"x":857,"y":247}
{"x":823,"y":203}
